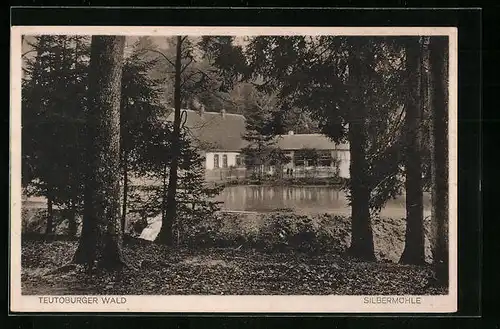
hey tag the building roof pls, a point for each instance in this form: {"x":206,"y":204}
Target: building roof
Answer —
{"x":215,"y":131}
{"x":311,"y":141}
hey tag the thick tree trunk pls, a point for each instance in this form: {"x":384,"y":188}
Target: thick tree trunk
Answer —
{"x":414,"y":251}
{"x":361,"y":230}
{"x":362,"y":246}
{"x":165,"y":236}
{"x":101,"y":238}
{"x":164,"y":194}
{"x":86,"y":252}
{"x":438,"y":51}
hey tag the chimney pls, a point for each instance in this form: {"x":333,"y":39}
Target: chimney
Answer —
{"x":290,"y":132}
{"x":223,"y":113}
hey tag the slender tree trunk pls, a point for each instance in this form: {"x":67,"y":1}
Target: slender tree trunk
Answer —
{"x":72,"y":225}
{"x":101,"y":238}
{"x":125,"y":191}
{"x":438,"y":50}
{"x":49,"y":230}
{"x":165,"y":236}
{"x":414,"y":251}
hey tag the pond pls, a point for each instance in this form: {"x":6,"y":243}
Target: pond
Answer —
{"x":302,"y":199}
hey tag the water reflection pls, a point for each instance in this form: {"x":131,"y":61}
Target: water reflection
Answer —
{"x":306,"y":199}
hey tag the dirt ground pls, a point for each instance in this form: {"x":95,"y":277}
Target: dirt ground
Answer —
{"x":157,"y":270}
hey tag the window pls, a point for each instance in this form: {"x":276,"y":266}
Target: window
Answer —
{"x":224,"y":161}
{"x":216,"y":161}
{"x":240,"y":161}
{"x":299,"y":161}
{"x":298,"y":158}
{"x":325,"y":159}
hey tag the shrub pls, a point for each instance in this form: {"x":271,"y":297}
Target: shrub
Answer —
{"x":303,"y":233}
{"x":273,"y":232}
{"x":34,"y":221}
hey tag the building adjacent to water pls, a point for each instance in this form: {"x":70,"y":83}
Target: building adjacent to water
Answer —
{"x":330,"y":157}
{"x":219,"y":136}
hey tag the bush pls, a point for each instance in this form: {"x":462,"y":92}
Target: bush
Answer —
{"x":302,"y":233}
{"x":34,"y":221}
{"x":273,"y":232}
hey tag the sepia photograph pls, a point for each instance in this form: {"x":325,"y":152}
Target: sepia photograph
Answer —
{"x":178,"y":169}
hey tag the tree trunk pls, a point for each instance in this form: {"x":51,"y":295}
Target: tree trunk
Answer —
{"x":88,"y":243}
{"x":438,"y":51}
{"x":414,"y":251}
{"x":164,"y":194}
{"x":361,"y":230}
{"x":101,"y":238}
{"x":49,"y":230}
{"x":125,"y":191}
{"x":165,"y":236}
{"x":72,"y":225}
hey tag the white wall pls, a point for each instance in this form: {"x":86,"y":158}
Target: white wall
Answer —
{"x":344,"y":157}
{"x":209,"y":159}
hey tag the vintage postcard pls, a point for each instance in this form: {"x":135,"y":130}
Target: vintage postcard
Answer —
{"x":233,"y":169}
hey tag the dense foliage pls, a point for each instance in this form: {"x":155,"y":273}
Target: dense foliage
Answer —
{"x":54,"y":122}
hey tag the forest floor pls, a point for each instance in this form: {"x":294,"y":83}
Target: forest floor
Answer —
{"x":158,"y":270}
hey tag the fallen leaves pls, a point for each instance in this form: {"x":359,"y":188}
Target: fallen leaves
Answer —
{"x":218,"y":271}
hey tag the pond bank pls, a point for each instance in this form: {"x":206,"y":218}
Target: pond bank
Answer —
{"x":290,"y":181}
{"x":267,"y":232}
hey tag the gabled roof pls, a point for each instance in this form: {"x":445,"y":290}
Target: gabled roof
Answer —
{"x":215,"y":131}
{"x":312,"y":141}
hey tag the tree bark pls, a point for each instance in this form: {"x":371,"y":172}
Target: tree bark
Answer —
{"x":125,"y":191}
{"x":414,"y":251}
{"x":362,"y":246}
{"x":72,"y":225}
{"x":86,"y":252}
{"x":438,"y":58}
{"x":164,"y":193}
{"x":165,"y":236}
{"x":49,"y":230}
{"x":101,"y":238}
{"x":361,"y":230}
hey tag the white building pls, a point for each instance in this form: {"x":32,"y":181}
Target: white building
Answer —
{"x":331,"y":156}
{"x":219,"y":136}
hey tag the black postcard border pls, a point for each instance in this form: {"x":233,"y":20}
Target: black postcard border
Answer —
{"x":469,"y":26}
